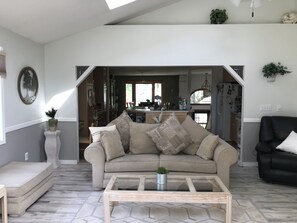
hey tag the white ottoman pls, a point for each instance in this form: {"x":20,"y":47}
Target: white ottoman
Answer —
{"x":25,"y":182}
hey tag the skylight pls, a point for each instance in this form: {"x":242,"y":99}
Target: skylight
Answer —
{"x":112,"y":4}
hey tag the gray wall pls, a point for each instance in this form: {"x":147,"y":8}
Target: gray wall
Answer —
{"x":29,"y":139}
{"x":250,"y":138}
{"x":69,"y":140}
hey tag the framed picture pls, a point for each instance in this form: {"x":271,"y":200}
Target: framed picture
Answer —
{"x":27,"y":85}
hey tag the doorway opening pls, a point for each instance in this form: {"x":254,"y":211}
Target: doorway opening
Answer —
{"x":103,"y":95}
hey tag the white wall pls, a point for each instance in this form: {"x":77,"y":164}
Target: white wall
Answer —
{"x":197,"y":12}
{"x":248,"y":45}
{"x":23,"y":123}
{"x":21,"y":52}
{"x":189,"y":44}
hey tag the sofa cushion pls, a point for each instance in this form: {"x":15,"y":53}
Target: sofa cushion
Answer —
{"x":170,"y":137}
{"x":96,"y":131}
{"x":111,"y":142}
{"x":207,"y":147}
{"x":284,"y":161}
{"x":289,"y":144}
{"x":133,"y":163}
{"x":20,"y":177}
{"x":122,"y":125}
{"x":187,"y":163}
{"x":140,"y":142}
{"x":197,"y":132}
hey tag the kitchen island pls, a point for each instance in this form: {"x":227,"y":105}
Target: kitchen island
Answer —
{"x":147,"y":116}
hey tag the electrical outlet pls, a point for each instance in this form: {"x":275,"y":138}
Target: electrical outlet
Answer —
{"x":266,"y":107}
{"x":26,"y":156}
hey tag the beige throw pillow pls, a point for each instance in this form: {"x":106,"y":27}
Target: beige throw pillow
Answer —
{"x":140,"y":142}
{"x":122,"y":124}
{"x":97,"y":131}
{"x":207,"y":147}
{"x":170,"y":137}
{"x":197,"y":132}
{"x":111,"y":142}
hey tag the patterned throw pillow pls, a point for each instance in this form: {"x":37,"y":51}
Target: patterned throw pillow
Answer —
{"x":123,"y":126}
{"x":111,"y":142}
{"x":207,"y":147}
{"x":170,"y":137}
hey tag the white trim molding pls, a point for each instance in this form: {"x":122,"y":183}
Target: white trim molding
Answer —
{"x":62,"y":119}
{"x":252,"y":120}
{"x":247,"y":164}
{"x":2,"y":114}
{"x":23,"y":125}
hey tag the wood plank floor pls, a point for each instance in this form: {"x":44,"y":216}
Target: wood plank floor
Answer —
{"x":72,"y":199}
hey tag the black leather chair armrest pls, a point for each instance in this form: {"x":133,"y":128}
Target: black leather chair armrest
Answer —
{"x":264,"y":147}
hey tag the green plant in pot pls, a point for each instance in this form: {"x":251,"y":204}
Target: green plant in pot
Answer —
{"x":162,"y":175}
{"x":52,"y":122}
{"x":271,"y":70}
{"x":218,"y":16}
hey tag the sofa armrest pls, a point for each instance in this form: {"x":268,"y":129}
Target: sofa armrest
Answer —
{"x":95,"y":155}
{"x":225,"y":156}
{"x":264,"y":147}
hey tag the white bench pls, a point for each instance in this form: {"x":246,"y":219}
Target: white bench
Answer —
{"x":25,"y":182}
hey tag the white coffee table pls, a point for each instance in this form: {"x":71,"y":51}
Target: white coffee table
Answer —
{"x":179,"y":189}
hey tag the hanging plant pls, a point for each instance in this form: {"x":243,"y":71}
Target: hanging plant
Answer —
{"x":218,"y":16}
{"x":271,"y":70}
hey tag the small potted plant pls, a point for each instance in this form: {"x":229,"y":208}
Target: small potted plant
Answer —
{"x":218,"y":16}
{"x":162,"y":175}
{"x":52,"y":122}
{"x":271,"y":70}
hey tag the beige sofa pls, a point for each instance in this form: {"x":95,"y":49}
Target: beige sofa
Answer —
{"x":137,"y":162}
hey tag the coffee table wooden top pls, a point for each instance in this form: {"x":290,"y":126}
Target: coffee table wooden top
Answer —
{"x":210,"y":188}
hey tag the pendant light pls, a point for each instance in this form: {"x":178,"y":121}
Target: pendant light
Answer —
{"x":206,"y":87}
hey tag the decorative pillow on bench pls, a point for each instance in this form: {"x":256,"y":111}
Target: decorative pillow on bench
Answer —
{"x":170,"y":137}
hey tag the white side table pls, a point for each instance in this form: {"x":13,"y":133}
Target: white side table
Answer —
{"x":52,"y":147}
{"x":3,"y":197}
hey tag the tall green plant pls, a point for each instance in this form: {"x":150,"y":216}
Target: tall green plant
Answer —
{"x":51,"y":113}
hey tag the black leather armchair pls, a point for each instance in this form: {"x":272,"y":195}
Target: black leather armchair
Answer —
{"x":275,"y":165}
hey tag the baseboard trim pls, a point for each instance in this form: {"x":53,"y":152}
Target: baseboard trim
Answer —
{"x":68,"y":161}
{"x":247,"y":164}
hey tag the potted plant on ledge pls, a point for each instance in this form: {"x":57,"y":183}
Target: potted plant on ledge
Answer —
{"x":52,"y":122}
{"x":218,"y":16}
{"x":271,"y":70}
{"x":162,"y":175}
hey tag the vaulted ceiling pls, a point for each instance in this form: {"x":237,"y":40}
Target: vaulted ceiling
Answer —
{"x":44,"y":21}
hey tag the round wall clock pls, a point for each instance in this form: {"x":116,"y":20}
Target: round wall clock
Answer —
{"x":27,"y":85}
